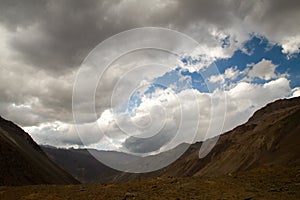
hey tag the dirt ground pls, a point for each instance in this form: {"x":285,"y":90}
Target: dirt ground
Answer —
{"x":263,"y":183}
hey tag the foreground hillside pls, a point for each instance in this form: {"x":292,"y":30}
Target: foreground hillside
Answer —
{"x":22,"y":162}
{"x":263,"y":183}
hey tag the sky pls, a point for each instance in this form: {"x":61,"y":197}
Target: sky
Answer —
{"x":248,"y":55}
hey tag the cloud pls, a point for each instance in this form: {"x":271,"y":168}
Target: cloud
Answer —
{"x":15,"y":14}
{"x":55,"y":133}
{"x":193,"y":109}
{"x":291,"y":45}
{"x":155,"y":122}
{"x":65,"y":134}
{"x":204,"y":56}
{"x":44,"y":42}
{"x":56,"y":36}
{"x":229,"y":74}
{"x":296,"y":92}
{"x":42,"y":97}
{"x":264,"y":69}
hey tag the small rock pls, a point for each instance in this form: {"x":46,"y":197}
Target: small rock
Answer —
{"x":154,"y":186}
{"x":174,"y":181}
{"x":248,"y":198}
{"x":129,"y":195}
{"x":274,"y":190}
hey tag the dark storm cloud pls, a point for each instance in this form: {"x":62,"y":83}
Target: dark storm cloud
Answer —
{"x":16,"y":13}
{"x":281,"y":17}
{"x":216,"y":12}
{"x":62,"y":36}
{"x":57,"y":35}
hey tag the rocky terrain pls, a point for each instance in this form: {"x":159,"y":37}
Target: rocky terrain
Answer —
{"x":261,"y":183}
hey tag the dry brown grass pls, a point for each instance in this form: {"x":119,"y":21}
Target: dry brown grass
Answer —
{"x":262,"y":183}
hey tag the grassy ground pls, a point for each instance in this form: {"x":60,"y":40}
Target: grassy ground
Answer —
{"x":263,"y":183}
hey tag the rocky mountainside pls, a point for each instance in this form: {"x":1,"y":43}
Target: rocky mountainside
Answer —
{"x":22,"y":161}
{"x":269,"y":138}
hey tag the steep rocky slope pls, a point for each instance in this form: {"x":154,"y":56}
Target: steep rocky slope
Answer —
{"x":22,"y":162}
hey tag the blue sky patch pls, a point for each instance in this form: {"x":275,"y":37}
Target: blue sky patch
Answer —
{"x":255,"y":49}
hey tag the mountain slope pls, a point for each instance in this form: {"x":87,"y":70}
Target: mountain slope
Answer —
{"x":81,"y":164}
{"x":270,"y":137}
{"x":86,"y":168}
{"x":22,"y":162}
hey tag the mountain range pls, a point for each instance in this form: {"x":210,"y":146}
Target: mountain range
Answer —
{"x":269,"y":138}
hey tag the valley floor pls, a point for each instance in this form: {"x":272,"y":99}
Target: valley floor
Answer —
{"x":262,"y":183}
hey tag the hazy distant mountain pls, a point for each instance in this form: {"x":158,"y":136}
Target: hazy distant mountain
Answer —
{"x":270,"y":137}
{"x":81,"y":164}
{"x":86,"y":168}
{"x":22,"y":162}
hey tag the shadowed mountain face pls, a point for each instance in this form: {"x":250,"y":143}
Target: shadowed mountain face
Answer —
{"x":22,"y":162}
{"x":82,"y":165}
{"x":271,"y":137}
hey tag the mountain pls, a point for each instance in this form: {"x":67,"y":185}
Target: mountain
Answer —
{"x":22,"y":161}
{"x":269,"y":138}
{"x":81,"y":164}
